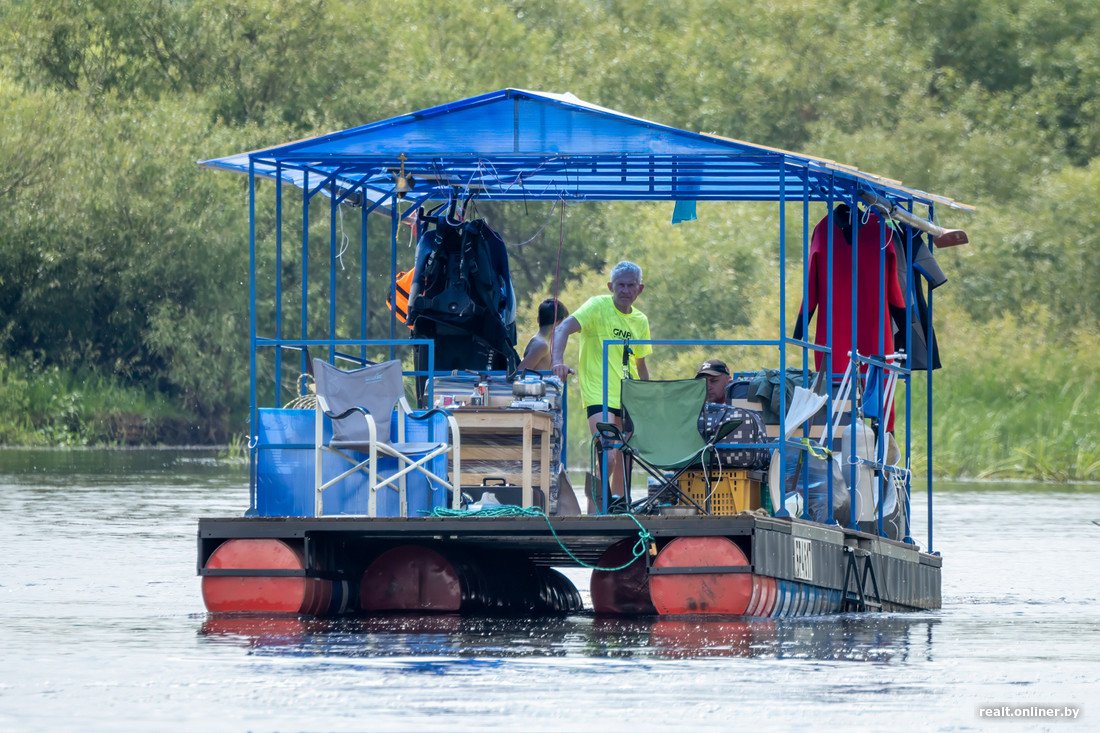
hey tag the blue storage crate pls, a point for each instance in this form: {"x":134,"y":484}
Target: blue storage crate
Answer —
{"x":284,"y":463}
{"x":284,"y":470}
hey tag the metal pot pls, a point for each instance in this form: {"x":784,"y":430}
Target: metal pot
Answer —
{"x":678,"y":511}
{"x":529,"y":387}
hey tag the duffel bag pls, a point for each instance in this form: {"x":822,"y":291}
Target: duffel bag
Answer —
{"x":751,"y":431}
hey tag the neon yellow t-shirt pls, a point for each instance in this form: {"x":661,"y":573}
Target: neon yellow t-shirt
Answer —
{"x":600,"y":319}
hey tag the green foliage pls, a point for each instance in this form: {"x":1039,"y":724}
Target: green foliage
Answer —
{"x":134,"y":241}
{"x":15,"y":403}
{"x":1033,"y":58}
{"x":1024,"y":406}
{"x":31,"y":143}
{"x":125,"y":263}
{"x":47,"y":406}
{"x":236,"y":451}
{"x":287,"y":63}
{"x":1041,"y":251}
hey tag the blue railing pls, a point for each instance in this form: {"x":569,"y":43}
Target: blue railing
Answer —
{"x":877,"y":463}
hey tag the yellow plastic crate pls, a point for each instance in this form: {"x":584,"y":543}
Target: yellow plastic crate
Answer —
{"x":731,"y":491}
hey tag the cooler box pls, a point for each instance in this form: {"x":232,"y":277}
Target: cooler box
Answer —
{"x":504,"y":493}
{"x":730,"y":491}
{"x":285,"y":476}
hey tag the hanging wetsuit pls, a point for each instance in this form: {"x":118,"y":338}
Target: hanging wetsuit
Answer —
{"x":873,"y":317}
{"x":925,"y":268}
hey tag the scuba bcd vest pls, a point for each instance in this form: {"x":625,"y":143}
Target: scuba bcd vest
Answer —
{"x":462,"y":287}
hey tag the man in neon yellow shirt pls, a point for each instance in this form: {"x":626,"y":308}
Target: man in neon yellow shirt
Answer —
{"x":607,"y":317}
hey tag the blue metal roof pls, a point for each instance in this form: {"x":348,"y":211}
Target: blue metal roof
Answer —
{"x":521,"y":145}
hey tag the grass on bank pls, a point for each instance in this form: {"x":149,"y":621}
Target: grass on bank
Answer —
{"x":46,"y":406}
{"x":1021,"y":399}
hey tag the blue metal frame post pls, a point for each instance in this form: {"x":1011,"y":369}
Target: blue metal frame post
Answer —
{"x":332,"y":265}
{"x":394,"y":223}
{"x":907,"y":375}
{"x":605,"y":484}
{"x":278,"y":281}
{"x":853,"y":357}
{"x":781,"y":510}
{"x":829,"y":360}
{"x":252,"y":407}
{"x":303,"y":334}
{"x":363,"y":251}
{"x":928,"y":339}
{"x":880,"y":453}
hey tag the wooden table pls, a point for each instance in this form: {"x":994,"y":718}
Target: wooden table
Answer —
{"x":479,"y":426}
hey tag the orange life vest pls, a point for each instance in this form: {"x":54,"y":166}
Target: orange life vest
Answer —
{"x":401,"y":286}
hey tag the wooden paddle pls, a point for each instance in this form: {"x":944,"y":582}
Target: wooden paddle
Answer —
{"x":940,"y":237}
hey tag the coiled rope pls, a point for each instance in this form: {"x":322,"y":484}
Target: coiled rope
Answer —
{"x":510,"y":510}
{"x":307,"y":397}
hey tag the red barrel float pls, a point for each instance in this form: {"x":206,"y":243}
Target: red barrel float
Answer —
{"x":410,"y":578}
{"x":623,"y":591}
{"x":701,"y":592}
{"x":450,"y":579}
{"x":262,"y":593}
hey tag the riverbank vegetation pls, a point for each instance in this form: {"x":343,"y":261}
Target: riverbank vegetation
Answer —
{"x":123,"y":301}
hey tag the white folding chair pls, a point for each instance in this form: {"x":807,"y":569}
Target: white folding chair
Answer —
{"x":360,"y":404}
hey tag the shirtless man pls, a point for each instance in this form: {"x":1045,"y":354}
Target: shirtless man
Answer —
{"x":537,"y":354}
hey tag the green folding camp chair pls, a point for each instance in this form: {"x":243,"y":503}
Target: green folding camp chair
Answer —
{"x":666,"y":434}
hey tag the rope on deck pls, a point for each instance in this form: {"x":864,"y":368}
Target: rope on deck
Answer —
{"x":510,"y":510}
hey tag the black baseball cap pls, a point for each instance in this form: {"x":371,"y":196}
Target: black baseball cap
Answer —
{"x":712,"y":367}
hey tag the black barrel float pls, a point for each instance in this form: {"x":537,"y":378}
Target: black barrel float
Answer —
{"x":451,"y":579}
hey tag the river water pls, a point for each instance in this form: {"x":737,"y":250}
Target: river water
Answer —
{"x":102,"y":628}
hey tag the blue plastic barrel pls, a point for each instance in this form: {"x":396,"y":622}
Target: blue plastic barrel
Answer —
{"x":285,"y":476}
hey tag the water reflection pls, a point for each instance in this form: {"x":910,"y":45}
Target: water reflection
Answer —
{"x":867,"y":638}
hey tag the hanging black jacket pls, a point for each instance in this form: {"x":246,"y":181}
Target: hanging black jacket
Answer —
{"x":926,"y":267}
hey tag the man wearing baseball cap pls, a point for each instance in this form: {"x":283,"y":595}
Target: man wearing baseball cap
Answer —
{"x":717,"y":375}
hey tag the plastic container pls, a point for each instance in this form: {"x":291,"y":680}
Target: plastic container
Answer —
{"x":284,"y":463}
{"x":808,"y":481}
{"x":285,"y":476}
{"x":730,"y":492}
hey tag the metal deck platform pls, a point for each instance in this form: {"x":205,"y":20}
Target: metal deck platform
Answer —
{"x":878,"y":572}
